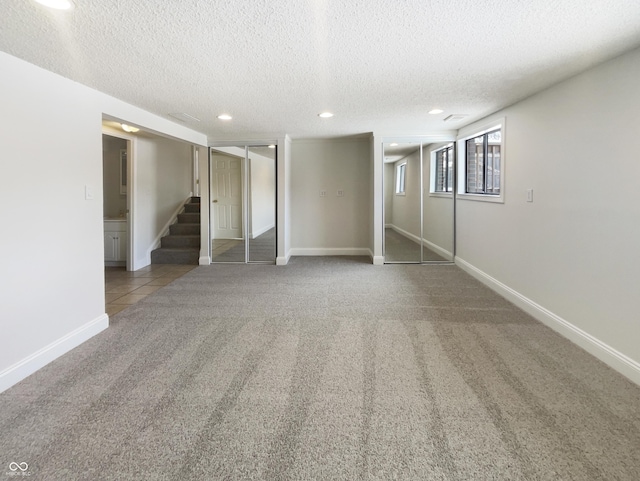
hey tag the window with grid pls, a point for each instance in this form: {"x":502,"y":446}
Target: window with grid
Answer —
{"x":483,"y":163}
{"x":444,"y":169}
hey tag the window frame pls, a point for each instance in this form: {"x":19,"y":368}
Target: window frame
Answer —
{"x":401,"y":178}
{"x":470,"y":133}
{"x":449,"y":175}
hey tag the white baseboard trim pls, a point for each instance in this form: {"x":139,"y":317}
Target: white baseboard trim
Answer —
{"x":24,"y":368}
{"x":259,"y":232}
{"x":378,"y":260}
{"x":282,"y":261}
{"x":204,"y":261}
{"x":345,"y":251}
{"x":607,"y":354}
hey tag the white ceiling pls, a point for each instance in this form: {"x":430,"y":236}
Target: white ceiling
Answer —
{"x":379,"y":65}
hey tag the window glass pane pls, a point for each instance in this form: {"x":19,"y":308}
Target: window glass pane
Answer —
{"x":400,"y":178}
{"x":483,"y":155}
{"x":450,"y":169}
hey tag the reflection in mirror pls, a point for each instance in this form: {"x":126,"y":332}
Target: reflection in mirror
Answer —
{"x":438,"y":204}
{"x":402,"y":202}
{"x":261,"y":174}
{"x":243,"y":204}
{"x":227,"y":236}
{"x":418,"y":202}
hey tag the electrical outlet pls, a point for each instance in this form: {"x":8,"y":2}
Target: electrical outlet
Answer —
{"x":323,"y":193}
{"x":340,"y":193}
{"x":88,"y":192}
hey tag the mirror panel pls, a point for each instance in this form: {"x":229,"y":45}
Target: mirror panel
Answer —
{"x":438,"y":204}
{"x":261,"y":176}
{"x":227,"y":232}
{"x":402,"y":202}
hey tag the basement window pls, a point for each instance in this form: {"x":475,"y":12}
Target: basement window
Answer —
{"x":443,"y":169}
{"x":401,"y":177}
{"x":481,"y":164}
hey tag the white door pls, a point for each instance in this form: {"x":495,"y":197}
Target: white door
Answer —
{"x":226,"y":201}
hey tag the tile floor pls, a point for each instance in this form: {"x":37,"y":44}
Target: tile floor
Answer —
{"x":124,"y":288}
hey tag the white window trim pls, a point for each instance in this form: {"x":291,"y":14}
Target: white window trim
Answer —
{"x":397,"y":169}
{"x":432,"y":176}
{"x":469,"y":133}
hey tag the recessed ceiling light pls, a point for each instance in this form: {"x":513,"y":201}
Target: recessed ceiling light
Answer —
{"x":272,"y":146}
{"x":436,"y":111}
{"x":224,"y":117}
{"x":325,"y":115}
{"x":128,"y":128}
{"x":393,"y":144}
{"x":57,"y":4}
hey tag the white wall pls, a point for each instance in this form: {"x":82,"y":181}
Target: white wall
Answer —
{"x":389,"y":192}
{"x":570,"y":257}
{"x":52,"y":280}
{"x":405,"y":209}
{"x":284,"y":188}
{"x":163,"y":181}
{"x":331,"y":224}
{"x":263,"y":194}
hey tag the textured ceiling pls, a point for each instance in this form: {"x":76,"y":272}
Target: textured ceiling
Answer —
{"x":379,"y":65}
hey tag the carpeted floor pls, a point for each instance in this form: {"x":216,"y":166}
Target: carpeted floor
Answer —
{"x":326,"y":369}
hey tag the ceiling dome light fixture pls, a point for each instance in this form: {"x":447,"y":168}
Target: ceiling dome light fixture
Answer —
{"x":325,"y":115}
{"x":57,"y":4}
{"x":393,"y":144}
{"x":436,"y":111}
{"x":224,"y":117}
{"x":128,"y":128}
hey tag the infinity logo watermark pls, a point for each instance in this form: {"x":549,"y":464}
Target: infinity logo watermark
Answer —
{"x":18,"y":469}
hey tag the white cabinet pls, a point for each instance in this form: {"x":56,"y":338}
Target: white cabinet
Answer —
{"x":115,"y":240}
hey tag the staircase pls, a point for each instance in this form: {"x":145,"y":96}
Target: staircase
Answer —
{"x":182,"y":245}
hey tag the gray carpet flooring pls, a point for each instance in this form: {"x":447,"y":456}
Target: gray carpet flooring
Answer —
{"x":398,"y":248}
{"x":327,"y":369}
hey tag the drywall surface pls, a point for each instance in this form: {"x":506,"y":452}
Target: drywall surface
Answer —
{"x":389,"y":183}
{"x":263,"y":194}
{"x":52,"y":281}
{"x":163,"y":181}
{"x":332,"y":221}
{"x":574,"y":249}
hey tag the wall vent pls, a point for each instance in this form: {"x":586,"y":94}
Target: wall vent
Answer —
{"x":455,"y":117}
{"x":181,"y":116}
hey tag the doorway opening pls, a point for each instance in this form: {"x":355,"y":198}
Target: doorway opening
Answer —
{"x":116,"y":155}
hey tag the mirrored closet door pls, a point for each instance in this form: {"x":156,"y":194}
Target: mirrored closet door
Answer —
{"x":243,"y":204}
{"x":419,"y":204}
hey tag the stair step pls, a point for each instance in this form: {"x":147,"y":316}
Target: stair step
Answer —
{"x":189,"y":218}
{"x":192,"y":208}
{"x":173,"y":255}
{"x":180,"y":241}
{"x":195,"y":200}
{"x":184,"y":229}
